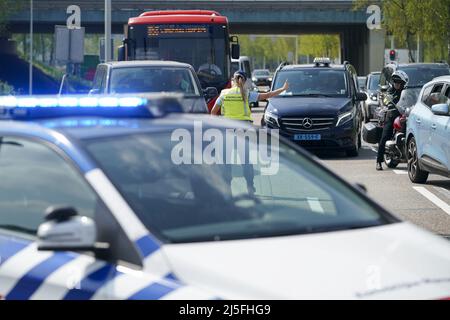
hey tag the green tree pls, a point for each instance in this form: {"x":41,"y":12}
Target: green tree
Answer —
{"x":407,"y":19}
{"x":7,"y":8}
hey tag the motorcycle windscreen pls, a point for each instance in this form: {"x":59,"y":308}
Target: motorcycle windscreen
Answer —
{"x":408,"y":99}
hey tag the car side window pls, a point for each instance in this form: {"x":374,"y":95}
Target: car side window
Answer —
{"x":99,"y":79}
{"x":33,"y":177}
{"x":435,"y":95}
{"x":426,"y":94}
{"x":447,"y":94}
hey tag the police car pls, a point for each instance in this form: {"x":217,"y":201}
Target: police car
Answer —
{"x":108,"y":198}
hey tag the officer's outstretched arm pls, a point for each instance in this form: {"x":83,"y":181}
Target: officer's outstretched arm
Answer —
{"x":265,"y":96}
{"x":215,"y":110}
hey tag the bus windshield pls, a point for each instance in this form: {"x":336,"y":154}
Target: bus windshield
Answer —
{"x":204,"y":46}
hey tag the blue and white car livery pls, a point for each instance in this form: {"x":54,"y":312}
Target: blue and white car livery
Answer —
{"x":92,"y":207}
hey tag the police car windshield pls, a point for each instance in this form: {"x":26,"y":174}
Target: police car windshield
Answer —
{"x":419,"y":75}
{"x":153,"y":79}
{"x":313,"y":82}
{"x":182,"y":202}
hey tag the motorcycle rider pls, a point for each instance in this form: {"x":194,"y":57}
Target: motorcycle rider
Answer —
{"x":399,"y":80}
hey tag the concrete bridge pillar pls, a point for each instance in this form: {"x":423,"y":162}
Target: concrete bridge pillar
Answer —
{"x":375,"y":47}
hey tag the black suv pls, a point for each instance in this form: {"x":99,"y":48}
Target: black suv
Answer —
{"x":419,"y":74}
{"x":322,"y":108}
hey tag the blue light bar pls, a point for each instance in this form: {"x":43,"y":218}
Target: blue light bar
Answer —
{"x":35,"y":107}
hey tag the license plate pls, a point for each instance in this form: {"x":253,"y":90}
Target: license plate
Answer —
{"x":307,"y":137}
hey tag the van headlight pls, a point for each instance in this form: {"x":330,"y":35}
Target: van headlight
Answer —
{"x":272,"y":118}
{"x":344,"y":118}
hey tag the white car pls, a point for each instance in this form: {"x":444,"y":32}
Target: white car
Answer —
{"x":94,"y":206}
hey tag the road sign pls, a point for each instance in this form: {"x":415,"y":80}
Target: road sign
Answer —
{"x":69,"y":44}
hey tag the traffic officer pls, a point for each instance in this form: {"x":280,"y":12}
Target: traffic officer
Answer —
{"x":399,"y":80}
{"x":234,"y":104}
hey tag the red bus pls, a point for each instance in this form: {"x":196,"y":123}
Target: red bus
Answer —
{"x":198,"y":37}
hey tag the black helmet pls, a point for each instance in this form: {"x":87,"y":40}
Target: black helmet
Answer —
{"x":240,"y":73}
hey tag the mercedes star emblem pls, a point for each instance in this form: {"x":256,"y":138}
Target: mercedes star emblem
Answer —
{"x":307,"y":123}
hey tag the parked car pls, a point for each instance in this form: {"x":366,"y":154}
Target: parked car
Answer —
{"x":150,"y":77}
{"x":371,"y":89}
{"x":322,"y":107}
{"x":262,"y":77}
{"x":243,"y":64}
{"x":428,"y":132}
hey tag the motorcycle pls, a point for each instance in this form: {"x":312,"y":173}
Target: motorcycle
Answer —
{"x":395,"y":151}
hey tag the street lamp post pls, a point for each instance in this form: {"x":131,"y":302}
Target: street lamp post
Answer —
{"x":30,"y":72}
{"x":107,"y":30}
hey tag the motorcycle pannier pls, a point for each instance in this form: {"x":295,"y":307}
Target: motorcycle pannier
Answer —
{"x":372,"y":133}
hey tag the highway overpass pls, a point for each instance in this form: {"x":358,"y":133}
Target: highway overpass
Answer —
{"x":363,"y":48}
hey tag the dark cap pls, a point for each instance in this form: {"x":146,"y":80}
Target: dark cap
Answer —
{"x":240,"y":73}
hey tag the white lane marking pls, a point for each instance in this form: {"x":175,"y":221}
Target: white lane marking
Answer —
{"x":66,"y":278}
{"x":116,"y":204}
{"x":430,"y":196}
{"x":374,"y":149}
{"x":315,"y":205}
{"x":443,"y":191}
{"x":400,"y":171}
{"x":20,"y":264}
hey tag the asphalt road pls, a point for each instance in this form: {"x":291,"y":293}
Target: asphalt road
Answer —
{"x":425,"y":205}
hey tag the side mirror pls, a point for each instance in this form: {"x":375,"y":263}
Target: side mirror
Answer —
{"x":121,"y":53}
{"x":440,"y":109}
{"x":65,"y":230}
{"x":383,"y":88}
{"x":361,"y":96}
{"x":210,"y":93}
{"x":235,"y":51}
{"x":94,"y":91}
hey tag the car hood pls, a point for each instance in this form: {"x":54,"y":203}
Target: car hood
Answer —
{"x":194,"y":104}
{"x":398,"y":261}
{"x":298,"y":106}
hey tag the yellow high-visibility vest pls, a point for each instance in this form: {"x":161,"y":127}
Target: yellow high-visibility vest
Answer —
{"x":233,"y":106}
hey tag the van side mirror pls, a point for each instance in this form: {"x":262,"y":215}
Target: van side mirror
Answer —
{"x":65,"y":230}
{"x":235,"y":51}
{"x":361,"y":96}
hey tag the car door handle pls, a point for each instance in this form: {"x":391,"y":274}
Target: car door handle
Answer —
{"x":433,"y":126}
{"x":418,"y":121}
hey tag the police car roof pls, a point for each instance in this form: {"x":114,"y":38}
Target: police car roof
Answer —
{"x":93,"y":127}
{"x":146,"y":63}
